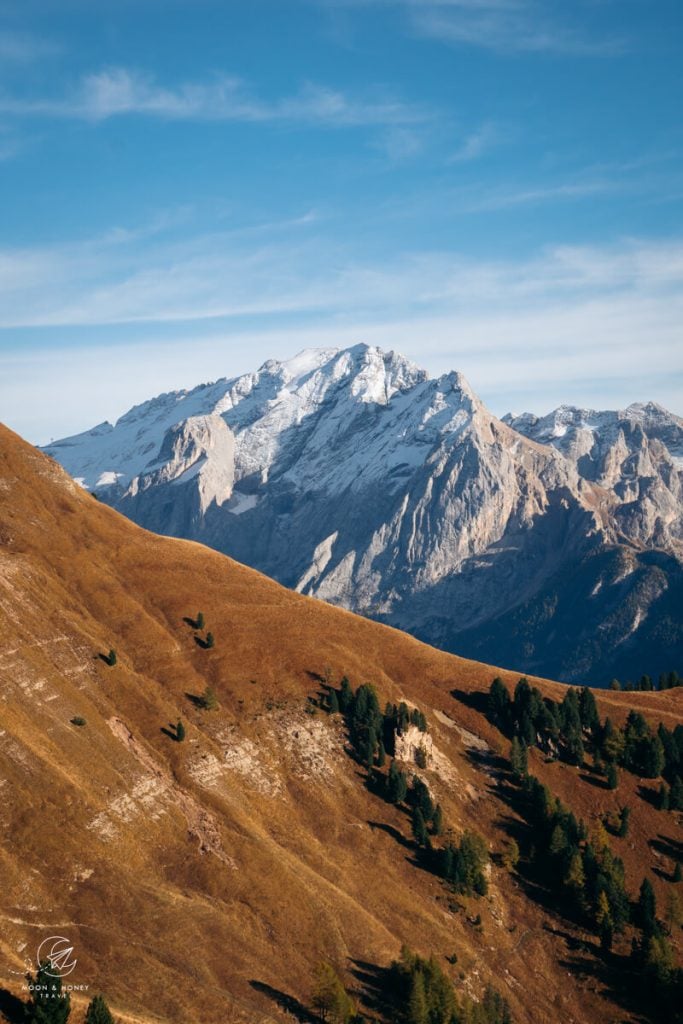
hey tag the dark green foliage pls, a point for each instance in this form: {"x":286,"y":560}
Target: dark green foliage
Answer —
{"x":345,"y":695}
{"x":77,"y":720}
{"x":437,"y":821}
{"x":423,"y":994}
{"x":332,"y":702}
{"x":381,"y":755}
{"x":421,"y":757}
{"x":98,"y":1012}
{"x":676,"y":794}
{"x":199,"y":621}
{"x":419,"y":796}
{"x":499,"y":706}
{"x":678,"y":872}
{"x":588,"y":710}
{"x":417,"y":718}
{"x":210,"y":641}
{"x":615,"y":685}
{"x":180,"y":732}
{"x":646,"y":909}
{"x":463,"y":865}
{"x":47,"y":1005}
{"x":643,"y":752}
{"x":519,"y":758}
{"x":663,"y":800}
{"x":612,"y":777}
{"x":397,"y":784}
{"x":111,"y":658}
{"x":419,"y":828}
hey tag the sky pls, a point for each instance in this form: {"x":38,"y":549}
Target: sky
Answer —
{"x":191,"y":187}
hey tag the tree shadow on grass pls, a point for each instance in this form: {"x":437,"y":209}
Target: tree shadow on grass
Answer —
{"x":476,"y":700}
{"x":667,"y":846}
{"x":381,"y":826}
{"x":592,"y":780}
{"x":171,"y":732}
{"x":375,"y":988}
{"x":195,"y":699}
{"x":192,"y":623}
{"x":286,"y":1002}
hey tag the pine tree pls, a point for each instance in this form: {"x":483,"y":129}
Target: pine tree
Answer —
{"x":209,"y":642}
{"x":676,"y":794}
{"x":575,"y":878}
{"x":624,"y":816}
{"x":615,"y":685}
{"x":47,"y":1005}
{"x":330,"y":998}
{"x":397,"y":784}
{"x":180,"y":732}
{"x":678,"y":872}
{"x":111,"y":657}
{"x":417,"y":1001}
{"x":209,"y":699}
{"x":612,"y":777}
{"x":437,"y":820}
{"x":199,"y":621}
{"x":647,"y":908}
{"x":510,"y":856}
{"x":418,"y":827}
{"x":98,"y":1011}
{"x":519,"y":758}
{"x":345,"y":695}
{"x":663,"y":800}
{"x":674,"y":912}
{"x":332,"y":702}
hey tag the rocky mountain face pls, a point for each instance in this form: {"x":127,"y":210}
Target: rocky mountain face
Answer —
{"x":554,"y":544}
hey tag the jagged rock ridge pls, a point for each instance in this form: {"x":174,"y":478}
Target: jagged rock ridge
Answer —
{"x":554,"y":543}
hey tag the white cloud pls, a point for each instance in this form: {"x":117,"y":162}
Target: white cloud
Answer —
{"x":119,"y":91}
{"x":478,"y":142}
{"x":596,"y":325}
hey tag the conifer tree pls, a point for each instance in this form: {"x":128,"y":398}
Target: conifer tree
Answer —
{"x":381,"y":755}
{"x":624,"y":816}
{"x":647,"y":908}
{"x":397,"y":784}
{"x":180,"y":732}
{"x":199,"y":621}
{"x":437,"y":820}
{"x":332,"y":702}
{"x":612,"y":777}
{"x":98,"y":1012}
{"x":330,"y":998}
{"x":419,"y":827}
{"x":345,"y":695}
{"x":111,"y":657}
{"x":209,"y":699}
{"x":676,"y":794}
{"x":519,"y":758}
{"x":678,"y":872}
{"x":417,"y":1001}
{"x":47,"y":1004}
{"x":663,"y":801}
{"x":210,"y":641}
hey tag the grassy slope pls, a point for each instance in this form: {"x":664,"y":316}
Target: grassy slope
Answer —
{"x":189,"y":876}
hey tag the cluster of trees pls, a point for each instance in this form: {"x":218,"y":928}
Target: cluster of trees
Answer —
{"x":371,"y":731}
{"x":330,"y":999}
{"x":589,"y":879}
{"x":667,"y":681}
{"x":660,"y":980}
{"x":565,"y":729}
{"x":49,"y":1005}
{"x":423,"y":994}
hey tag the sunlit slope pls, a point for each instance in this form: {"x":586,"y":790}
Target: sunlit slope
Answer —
{"x":203,"y":880}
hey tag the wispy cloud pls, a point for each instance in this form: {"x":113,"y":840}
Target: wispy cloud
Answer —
{"x":508,"y":26}
{"x":478,"y":142}
{"x":116,"y":92}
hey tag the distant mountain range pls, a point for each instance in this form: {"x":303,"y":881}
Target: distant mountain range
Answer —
{"x":553,"y":544}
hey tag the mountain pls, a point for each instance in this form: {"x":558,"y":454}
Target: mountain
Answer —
{"x":203,"y":880}
{"x":552,"y":544}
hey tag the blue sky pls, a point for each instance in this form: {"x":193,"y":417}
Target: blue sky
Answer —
{"x":189,"y":188}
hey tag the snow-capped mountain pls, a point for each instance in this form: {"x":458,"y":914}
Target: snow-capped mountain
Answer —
{"x":553,"y":544}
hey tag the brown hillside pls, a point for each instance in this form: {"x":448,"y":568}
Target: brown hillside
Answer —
{"x":203,"y":880}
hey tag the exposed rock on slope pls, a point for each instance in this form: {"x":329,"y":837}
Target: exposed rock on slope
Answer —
{"x":353,"y":476}
{"x":203,"y":880}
